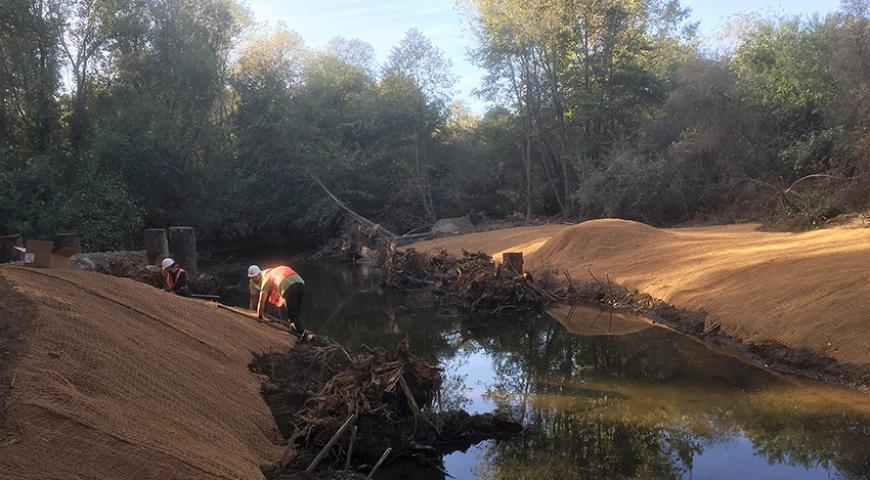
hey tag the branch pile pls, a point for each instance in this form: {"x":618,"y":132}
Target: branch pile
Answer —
{"x":134,"y":265}
{"x":314,"y":389}
{"x":473,"y":282}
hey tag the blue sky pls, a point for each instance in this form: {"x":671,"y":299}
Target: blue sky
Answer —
{"x":382,"y":23}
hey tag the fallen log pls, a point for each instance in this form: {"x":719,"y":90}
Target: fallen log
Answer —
{"x":359,"y":218}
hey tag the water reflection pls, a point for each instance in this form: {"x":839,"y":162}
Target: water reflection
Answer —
{"x":605,"y":396}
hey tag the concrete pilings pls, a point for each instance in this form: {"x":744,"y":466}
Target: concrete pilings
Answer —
{"x":182,"y":242}
{"x":156,"y":245}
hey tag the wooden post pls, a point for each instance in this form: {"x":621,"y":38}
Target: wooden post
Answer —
{"x":350,"y":449}
{"x":347,"y":424}
{"x":68,"y":240}
{"x":380,"y":461}
{"x":7,"y":248}
{"x":182,"y":244}
{"x":513,"y":262}
{"x":156,"y":245}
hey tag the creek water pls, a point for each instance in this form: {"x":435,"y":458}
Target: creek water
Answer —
{"x":603,"y":395}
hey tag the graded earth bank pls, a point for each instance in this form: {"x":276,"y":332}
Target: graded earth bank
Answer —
{"x":114,"y":379}
{"x":805,"y":291}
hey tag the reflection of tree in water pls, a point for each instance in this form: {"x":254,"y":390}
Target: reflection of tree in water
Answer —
{"x":575,"y":445}
{"x":568,"y":442}
{"x":349,"y":306}
{"x":453,"y":389}
{"x":643,"y":405}
{"x":826,"y":436}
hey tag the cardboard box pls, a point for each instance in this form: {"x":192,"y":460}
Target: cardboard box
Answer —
{"x":42,"y":254}
{"x":60,"y":257}
{"x":38,"y":253}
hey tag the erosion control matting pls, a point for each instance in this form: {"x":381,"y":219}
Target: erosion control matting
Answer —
{"x":120,"y":380}
{"x":808,"y":292}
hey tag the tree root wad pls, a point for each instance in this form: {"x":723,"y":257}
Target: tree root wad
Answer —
{"x":476,"y":283}
{"x":473,"y":282}
{"x":313,"y":389}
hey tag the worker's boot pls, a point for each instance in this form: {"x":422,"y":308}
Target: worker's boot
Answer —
{"x":301,"y":335}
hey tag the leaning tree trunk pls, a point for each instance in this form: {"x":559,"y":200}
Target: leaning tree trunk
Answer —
{"x":528,"y":159}
{"x":423,"y":182}
{"x":359,"y":218}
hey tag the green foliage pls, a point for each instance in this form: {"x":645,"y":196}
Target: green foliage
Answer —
{"x":31,"y":202}
{"x":783,"y":66}
{"x":772,"y":113}
{"x":813,"y":211}
{"x":183,"y":112}
{"x":100,"y":210}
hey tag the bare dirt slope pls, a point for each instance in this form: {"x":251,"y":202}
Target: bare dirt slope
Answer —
{"x":806,"y":291}
{"x":119,"y":380}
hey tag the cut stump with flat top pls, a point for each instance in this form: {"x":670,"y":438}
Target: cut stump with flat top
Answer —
{"x":513,"y":262}
{"x":156,"y":245}
{"x":182,"y":244}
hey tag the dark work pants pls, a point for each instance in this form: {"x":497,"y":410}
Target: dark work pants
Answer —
{"x":293,"y":302}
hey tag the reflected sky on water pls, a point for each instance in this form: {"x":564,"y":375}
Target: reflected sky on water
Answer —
{"x":602,"y":395}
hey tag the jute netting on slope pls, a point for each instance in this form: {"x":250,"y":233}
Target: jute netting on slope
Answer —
{"x":806,"y":291}
{"x":124,"y":381}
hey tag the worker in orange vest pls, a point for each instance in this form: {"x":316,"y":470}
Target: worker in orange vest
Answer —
{"x":175,"y":278}
{"x":281,"y":287}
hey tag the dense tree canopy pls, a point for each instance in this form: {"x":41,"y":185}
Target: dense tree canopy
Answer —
{"x":119,"y":114}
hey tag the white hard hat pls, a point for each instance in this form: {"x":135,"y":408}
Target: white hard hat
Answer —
{"x":253,"y":271}
{"x":167,"y":262}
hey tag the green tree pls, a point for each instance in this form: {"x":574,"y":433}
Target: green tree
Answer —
{"x":417,"y":85}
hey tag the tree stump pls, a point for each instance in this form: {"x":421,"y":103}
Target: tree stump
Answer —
{"x":156,"y":245}
{"x":182,"y":244}
{"x":513,"y":262}
{"x":68,"y":240}
{"x":7,"y":248}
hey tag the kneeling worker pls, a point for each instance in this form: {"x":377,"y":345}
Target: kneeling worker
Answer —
{"x":281,"y":287}
{"x":175,"y":278}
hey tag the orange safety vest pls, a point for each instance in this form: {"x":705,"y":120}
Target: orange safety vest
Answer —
{"x":276,"y":277}
{"x":171,"y":279}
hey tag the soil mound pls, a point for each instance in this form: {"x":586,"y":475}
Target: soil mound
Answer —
{"x":596,"y":239}
{"x":495,"y":242}
{"x":806,"y":291}
{"x":119,"y":380}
